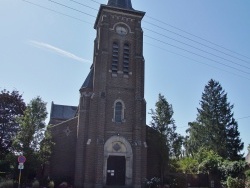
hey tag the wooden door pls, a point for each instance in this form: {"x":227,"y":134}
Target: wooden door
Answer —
{"x":116,"y":170}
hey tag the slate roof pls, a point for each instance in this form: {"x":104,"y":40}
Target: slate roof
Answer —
{"x":62,"y":112}
{"x":125,"y":4}
{"x":88,"y":83}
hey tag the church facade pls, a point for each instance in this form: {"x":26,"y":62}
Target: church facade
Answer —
{"x":102,"y":142}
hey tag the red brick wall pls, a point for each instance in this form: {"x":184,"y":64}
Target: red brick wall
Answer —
{"x":62,"y":165}
{"x":153,"y":154}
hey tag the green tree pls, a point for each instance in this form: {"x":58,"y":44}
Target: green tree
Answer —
{"x":28,"y":141}
{"x":188,"y":165}
{"x":11,"y":107}
{"x":247,"y":174}
{"x":215,"y":126}
{"x":204,"y":161}
{"x":209,"y":161}
{"x":234,"y":169}
{"x":176,"y":150}
{"x":235,"y":183}
{"x":248,"y":148}
{"x":164,"y":124}
{"x":32,"y":126}
{"x":234,"y":143}
{"x":45,"y":149}
{"x":194,"y":140}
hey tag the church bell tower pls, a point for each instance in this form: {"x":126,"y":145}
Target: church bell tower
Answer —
{"x":111,"y":144}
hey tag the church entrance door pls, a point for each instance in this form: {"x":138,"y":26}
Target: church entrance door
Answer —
{"x":116,"y":169}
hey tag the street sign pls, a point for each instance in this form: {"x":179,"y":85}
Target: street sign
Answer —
{"x":21,"y":159}
{"x":20,"y":166}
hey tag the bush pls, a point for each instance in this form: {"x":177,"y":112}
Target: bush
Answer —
{"x":247,"y":173}
{"x":176,"y":180}
{"x":63,"y":185}
{"x":235,"y":183}
{"x":51,"y":184}
{"x":153,"y":182}
{"x":35,"y":184}
{"x":7,"y":184}
{"x":59,"y":179}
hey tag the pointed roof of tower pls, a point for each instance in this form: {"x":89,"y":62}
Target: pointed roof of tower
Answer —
{"x":125,"y":4}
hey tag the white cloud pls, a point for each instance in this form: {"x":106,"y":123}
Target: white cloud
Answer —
{"x":58,"y":51}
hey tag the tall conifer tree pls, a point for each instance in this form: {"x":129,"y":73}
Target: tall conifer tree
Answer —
{"x":215,"y":127}
{"x":164,"y":124}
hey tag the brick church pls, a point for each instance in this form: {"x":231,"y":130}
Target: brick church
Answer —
{"x":102,"y":141}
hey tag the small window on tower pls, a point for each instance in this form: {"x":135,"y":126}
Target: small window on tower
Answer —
{"x":115,"y":52}
{"x":118,"y":111}
{"x":126,"y":59}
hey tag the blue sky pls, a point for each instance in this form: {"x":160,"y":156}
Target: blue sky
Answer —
{"x":186,"y":43}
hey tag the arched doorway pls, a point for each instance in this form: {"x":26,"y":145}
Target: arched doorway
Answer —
{"x":118,"y":162}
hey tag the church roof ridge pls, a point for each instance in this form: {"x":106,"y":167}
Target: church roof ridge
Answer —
{"x":63,"y":105}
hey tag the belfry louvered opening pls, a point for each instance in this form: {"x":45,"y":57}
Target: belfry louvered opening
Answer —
{"x":126,"y":58}
{"x":115,"y":54}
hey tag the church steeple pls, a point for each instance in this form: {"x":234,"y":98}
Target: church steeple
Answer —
{"x":125,"y":4}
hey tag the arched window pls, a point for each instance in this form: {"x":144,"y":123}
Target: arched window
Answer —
{"x":115,"y":53}
{"x":118,"y":111}
{"x":126,"y":58}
